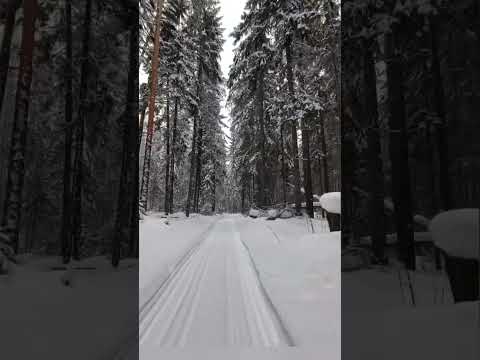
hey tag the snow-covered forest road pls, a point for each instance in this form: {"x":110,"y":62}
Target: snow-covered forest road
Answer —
{"x":231,"y":281}
{"x":215,"y":284}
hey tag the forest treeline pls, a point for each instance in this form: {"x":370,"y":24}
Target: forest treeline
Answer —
{"x":183,"y":146}
{"x":283,"y":95}
{"x":69,"y":129}
{"x":409,"y":105}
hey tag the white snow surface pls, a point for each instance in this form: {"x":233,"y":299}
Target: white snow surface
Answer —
{"x":40,"y":318}
{"x":228,"y":287}
{"x":331,"y":202}
{"x":162,"y":246}
{"x":442,"y":332}
{"x":457,"y":232}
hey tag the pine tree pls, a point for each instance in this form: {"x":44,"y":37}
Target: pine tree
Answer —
{"x":16,"y":166}
{"x":66,"y":234}
{"x":10,"y":13}
{"x":208,"y":42}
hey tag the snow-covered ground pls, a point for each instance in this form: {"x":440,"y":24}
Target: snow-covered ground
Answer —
{"x":389,"y":313}
{"x":214,"y":284}
{"x":41,"y":318}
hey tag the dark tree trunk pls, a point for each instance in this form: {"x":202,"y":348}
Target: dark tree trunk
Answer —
{"x":252,"y":189}
{"x":320,"y":157}
{"x":348,"y":171}
{"x":78,"y":168}
{"x":376,"y":218}
{"x":198,"y":167}
{"x":284,"y":169}
{"x":167,"y":159}
{"x":142,"y":123}
{"x":196,"y":121}
{"x":214,"y":192}
{"x":262,"y":173}
{"x":293,"y":127}
{"x":323,"y":143}
{"x":243,"y":196}
{"x":127,"y":194}
{"x":10,"y":12}
{"x":433,"y":208}
{"x":192,"y":167}
{"x":442,"y":129}
{"x":401,"y":188}
{"x":151,"y":109}
{"x":172,"y":156}
{"x":307,"y":166}
{"x":133,"y":247}
{"x":16,"y":164}
{"x":66,"y":232}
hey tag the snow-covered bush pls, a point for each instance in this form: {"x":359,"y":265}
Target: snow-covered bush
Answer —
{"x":254,"y":213}
{"x":206,"y":209}
{"x":456,"y":232}
{"x":331,"y":202}
{"x":286,"y":213}
{"x":272,"y":214}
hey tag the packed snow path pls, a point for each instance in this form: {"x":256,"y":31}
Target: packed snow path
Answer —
{"x":213,"y":297}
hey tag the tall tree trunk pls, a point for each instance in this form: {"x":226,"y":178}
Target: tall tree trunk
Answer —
{"x":430,"y":161}
{"x":196,"y":121}
{"x":262,"y":173}
{"x":128,"y":174}
{"x":151,"y":108}
{"x":167,"y":157}
{"x":252,"y":189}
{"x":307,"y":167}
{"x":142,"y":123}
{"x":172,"y":156}
{"x":323,"y":143}
{"x":16,"y":164}
{"x":284,"y":169}
{"x":198,"y":167}
{"x":348,"y":162}
{"x":243,"y":195}
{"x":10,"y":12}
{"x":78,"y":168}
{"x":401,"y":188}
{"x":192,"y":167}
{"x":293,"y":127}
{"x":66,"y":232}
{"x":214,"y":191}
{"x":442,"y":128}
{"x":376,"y":218}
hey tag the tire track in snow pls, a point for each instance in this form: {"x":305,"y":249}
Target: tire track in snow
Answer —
{"x":129,"y":349}
{"x":275,"y":316}
{"x":177,"y":266}
{"x":214,"y":296}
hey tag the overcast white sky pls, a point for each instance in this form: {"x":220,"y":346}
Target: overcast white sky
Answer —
{"x":231,"y":11}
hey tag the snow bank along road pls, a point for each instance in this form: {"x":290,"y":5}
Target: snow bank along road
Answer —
{"x":213,"y":297}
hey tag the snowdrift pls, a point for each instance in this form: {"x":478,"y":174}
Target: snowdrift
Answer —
{"x":331,"y":202}
{"x":457,"y":232}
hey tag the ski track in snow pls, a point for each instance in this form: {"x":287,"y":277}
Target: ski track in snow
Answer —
{"x":213,"y":298}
